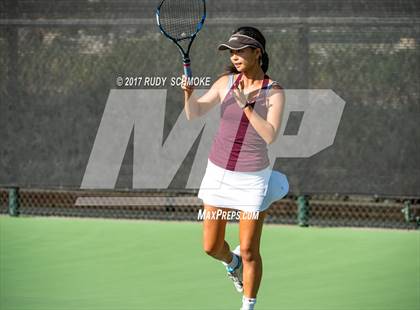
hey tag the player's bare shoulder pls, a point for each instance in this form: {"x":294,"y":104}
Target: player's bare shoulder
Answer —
{"x":275,"y":88}
{"x":275,"y":94}
{"x":220,"y":85}
{"x":275,"y":85}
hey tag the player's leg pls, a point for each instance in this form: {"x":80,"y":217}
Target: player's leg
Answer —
{"x":250,"y":235}
{"x":214,"y":243}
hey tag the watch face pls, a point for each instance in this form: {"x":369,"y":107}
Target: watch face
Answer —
{"x":249,"y":104}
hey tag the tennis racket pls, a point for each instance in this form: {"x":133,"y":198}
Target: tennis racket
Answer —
{"x":180,"y":21}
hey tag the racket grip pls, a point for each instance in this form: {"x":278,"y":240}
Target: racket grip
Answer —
{"x":187,"y":69}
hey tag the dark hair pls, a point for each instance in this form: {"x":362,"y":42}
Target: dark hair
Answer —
{"x":257,"y":35}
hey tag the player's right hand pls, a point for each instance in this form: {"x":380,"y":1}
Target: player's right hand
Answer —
{"x":188,"y":89}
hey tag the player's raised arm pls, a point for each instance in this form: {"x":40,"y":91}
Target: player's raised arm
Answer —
{"x":198,"y":106}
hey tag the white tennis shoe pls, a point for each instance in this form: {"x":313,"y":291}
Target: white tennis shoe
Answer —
{"x":236,"y":274}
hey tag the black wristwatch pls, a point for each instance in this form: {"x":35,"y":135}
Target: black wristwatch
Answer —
{"x":249,"y":104}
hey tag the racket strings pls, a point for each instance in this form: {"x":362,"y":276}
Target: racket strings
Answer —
{"x":180,"y":18}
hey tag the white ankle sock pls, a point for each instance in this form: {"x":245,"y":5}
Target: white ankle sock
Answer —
{"x":248,"y":303}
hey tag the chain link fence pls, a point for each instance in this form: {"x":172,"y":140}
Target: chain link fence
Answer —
{"x":317,"y":210}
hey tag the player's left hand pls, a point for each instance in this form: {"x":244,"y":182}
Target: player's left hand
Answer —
{"x":241,"y":97}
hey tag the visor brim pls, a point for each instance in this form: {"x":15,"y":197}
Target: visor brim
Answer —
{"x":235,"y":47}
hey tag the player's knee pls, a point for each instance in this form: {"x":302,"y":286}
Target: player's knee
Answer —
{"x":249,"y":253}
{"x":211,"y":249}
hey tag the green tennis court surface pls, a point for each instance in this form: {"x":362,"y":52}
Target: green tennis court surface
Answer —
{"x":54,"y":263}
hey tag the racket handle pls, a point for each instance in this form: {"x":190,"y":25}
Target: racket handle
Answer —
{"x":187,"y":68}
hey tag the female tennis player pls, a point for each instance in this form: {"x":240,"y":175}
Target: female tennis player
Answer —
{"x":238,"y":178}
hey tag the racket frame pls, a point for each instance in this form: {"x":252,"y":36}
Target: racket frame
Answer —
{"x":185,"y":54}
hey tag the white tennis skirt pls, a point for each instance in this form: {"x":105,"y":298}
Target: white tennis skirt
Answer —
{"x":237,"y":190}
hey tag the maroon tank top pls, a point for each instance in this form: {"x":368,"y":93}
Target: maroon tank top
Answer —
{"x":237,"y":146}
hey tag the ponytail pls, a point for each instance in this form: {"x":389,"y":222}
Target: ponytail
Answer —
{"x":264,"y":62}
